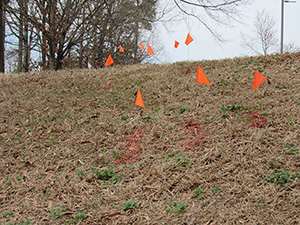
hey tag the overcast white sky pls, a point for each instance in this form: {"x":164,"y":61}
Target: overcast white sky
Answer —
{"x":205,"y":47}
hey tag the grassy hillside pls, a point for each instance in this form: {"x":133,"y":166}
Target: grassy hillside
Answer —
{"x":74,"y":148}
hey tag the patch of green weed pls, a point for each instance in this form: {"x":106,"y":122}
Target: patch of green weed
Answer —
{"x":129,"y":205}
{"x":176,"y":207}
{"x":124,"y":117}
{"x":216,"y":190}
{"x":292,"y":150}
{"x":198,"y":192}
{"x":81,"y":174}
{"x":183,"y":108}
{"x":116,"y":154}
{"x":280,"y":177}
{"x":48,"y":192}
{"x":8,"y":182}
{"x":108,"y":174}
{"x":172,"y":154}
{"x":57,"y":212}
{"x":183,"y":161}
{"x":79,"y":216}
{"x":7,"y":215}
{"x":265,"y":113}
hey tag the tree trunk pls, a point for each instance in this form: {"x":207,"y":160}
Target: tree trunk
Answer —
{"x":2,"y":38}
{"x":21,"y":41}
{"x":26,"y":43}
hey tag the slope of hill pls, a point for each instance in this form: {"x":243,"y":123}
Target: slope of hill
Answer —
{"x":76,"y":150}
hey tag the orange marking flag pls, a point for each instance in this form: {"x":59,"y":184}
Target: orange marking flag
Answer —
{"x":150,"y":50}
{"x":201,"y":78}
{"x":109,"y":61}
{"x":258,"y":80}
{"x":139,"y":100}
{"x":176,"y":44}
{"x":121,"y":49}
{"x":188,"y":39}
{"x":142,"y":46}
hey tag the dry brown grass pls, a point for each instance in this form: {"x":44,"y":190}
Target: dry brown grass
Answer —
{"x":56,"y":126}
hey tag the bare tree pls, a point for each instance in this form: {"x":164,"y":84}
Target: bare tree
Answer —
{"x":120,"y":22}
{"x":22,"y":30}
{"x":80,"y":33}
{"x":2,"y":36}
{"x":264,"y":40}
{"x":58,"y":25}
{"x":206,"y":11}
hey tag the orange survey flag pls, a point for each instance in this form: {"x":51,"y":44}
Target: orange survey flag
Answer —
{"x":258,"y":80}
{"x":142,"y":46}
{"x":150,"y":50}
{"x":201,"y":78}
{"x":139,"y":100}
{"x":188,"y":39}
{"x":121,"y":49}
{"x":176,"y":44}
{"x":109,"y":61}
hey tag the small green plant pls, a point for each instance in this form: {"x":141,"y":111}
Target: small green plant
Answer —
{"x":225,"y":83}
{"x":280,"y":177}
{"x":52,"y":138}
{"x":57,"y":212}
{"x":298,"y":102}
{"x":7,"y":215}
{"x":183,"y":108}
{"x":79,"y":216}
{"x":176,"y":207}
{"x":8,"y":182}
{"x":183,"y":161}
{"x":81,"y":174}
{"x":232,"y":108}
{"x":48,"y":192}
{"x":25,"y":223}
{"x":216,"y":190}
{"x":170,"y":127}
{"x":124,"y":117}
{"x":240,"y":70}
{"x":292,"y":122}
{"x":106,"y":175}
{"x":225,"y":115}
{"x":293,"y":150}
{"x":137,"y":82}
{"x":172,"y":154}
{"x":129,"y":205}
{"x":198,"y":192}
{"x":116,"y":154}
{"x":265,"y":113}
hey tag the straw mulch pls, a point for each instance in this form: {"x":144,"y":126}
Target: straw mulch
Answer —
{"x":74,"y":148}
